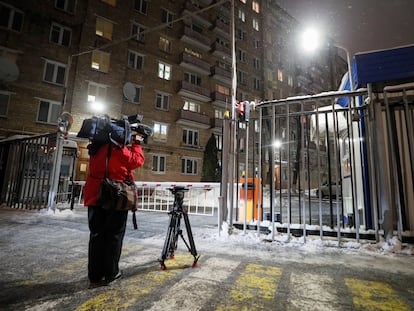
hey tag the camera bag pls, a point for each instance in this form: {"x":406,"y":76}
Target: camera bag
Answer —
{"x":118,"y":195}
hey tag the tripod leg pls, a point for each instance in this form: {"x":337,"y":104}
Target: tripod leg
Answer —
{"x":192,"y":247}
{"x":171,"y":233}
{"x":177,"y":232}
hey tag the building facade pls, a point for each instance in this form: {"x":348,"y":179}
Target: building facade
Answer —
{"x":170,"y":61}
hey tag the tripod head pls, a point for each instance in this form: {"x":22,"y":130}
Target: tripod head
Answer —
{"x":178,"y":192}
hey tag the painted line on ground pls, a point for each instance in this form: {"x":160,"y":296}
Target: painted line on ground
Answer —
{"x":378,"y":296}
{"x":255,"y":288}
{"x":128,"y":291}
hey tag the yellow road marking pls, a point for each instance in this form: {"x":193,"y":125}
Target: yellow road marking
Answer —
{"x":130,"y":290}
{"x":71,"y":268}
{"x":376,"y":296}
{"x":257,"y":283}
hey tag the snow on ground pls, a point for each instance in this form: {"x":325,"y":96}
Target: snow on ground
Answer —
{"x":390,"y":256}
{"x":222,"y":239}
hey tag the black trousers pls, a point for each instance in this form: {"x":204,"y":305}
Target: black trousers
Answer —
{"x":107,"y":230}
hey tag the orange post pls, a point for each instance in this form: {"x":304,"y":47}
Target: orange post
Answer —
{"x":252,"y":198}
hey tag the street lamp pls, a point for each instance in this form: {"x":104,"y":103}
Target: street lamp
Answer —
{"x":311,"y":41}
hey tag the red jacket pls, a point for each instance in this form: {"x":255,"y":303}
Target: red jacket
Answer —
{"x":121,"y":163}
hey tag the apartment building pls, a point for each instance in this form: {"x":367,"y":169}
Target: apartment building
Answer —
{"x":169,"y":61}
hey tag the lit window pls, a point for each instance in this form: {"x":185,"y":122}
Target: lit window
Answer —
{"x":66,"y":5}
{"x":189,"y":166}
{"x":48,"y":112}
{"x":223,"y":89}
{"x":100,"y":61}
{"x":255,"y":22}
{"x":11,"y":18}
{"x":164,"y":71}
{"x":60,"y":34}
{"x":164,"y":44}
{"x":290,"y":80}
{"x":160,"y":131}
{"x":162,"y":101}
{"x":218,"y":114}
{"x":242,"y":15}
{"x":135,"y":60}
{"x":191,"y":106}
{"x":141,"y":6}
{"x":219,"y":142}
{"x":280,"y":75}
{"x":54,"y":72}
{"x":96,"y":92}
{"x":104,"y":28}
{"x":158,"y":163}
{"x":255,"y":6}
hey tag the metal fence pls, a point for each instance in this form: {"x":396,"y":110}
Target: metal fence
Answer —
{"x":339,"y":171}
{"x":27,"y":165}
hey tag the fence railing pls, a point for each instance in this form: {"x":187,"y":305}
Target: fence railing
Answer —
{"x":201,"y":198}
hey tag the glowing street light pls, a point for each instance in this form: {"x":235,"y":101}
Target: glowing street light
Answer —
{"x":277,"y":144}
{"x":97,"y":106}
{"x":311,"y":40}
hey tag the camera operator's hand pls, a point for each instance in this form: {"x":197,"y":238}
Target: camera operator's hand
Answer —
{"x":138,"y":139}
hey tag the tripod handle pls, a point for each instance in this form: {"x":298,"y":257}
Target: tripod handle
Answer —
{"x":176,"y":189}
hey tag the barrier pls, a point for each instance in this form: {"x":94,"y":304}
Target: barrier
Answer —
{"x":201,"y":199}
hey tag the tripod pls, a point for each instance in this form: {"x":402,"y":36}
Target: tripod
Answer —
{"x":174,"y":230}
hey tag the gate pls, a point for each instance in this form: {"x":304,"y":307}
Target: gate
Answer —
{"x":338,"y":169}
{"x":26,"y":171}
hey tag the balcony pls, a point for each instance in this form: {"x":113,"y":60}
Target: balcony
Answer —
{"x":221,"y":100}
{"x":196,"y":39}
{"x":194,"y":63}
{"x":216,"y":123}
{"x":221,"y":51}
{"x":194,"y":119}
{"x":194,"y":91}
{"x":222,"y":28}
{"x":221,"y":74}
{"x":201,"y":18}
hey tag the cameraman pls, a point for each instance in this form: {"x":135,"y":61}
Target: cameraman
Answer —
{"x":107,"y":227}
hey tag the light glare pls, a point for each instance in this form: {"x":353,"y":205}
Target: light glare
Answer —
{"x":311,"y":40}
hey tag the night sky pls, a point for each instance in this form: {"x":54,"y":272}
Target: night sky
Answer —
{"x":358,"y":25}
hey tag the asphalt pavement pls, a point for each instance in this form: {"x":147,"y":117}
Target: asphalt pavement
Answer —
{"x":43,"y":260}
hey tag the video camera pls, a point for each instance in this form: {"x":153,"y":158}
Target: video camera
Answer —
{"x":103,"y":130}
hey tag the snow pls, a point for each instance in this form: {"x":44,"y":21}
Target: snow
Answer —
{"x":242,"y":241}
